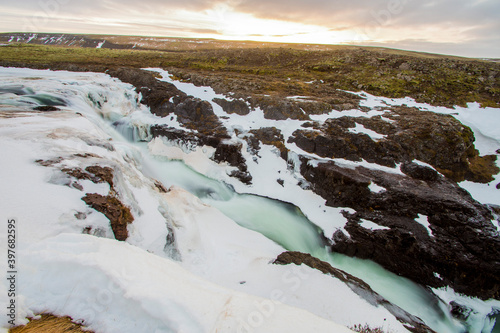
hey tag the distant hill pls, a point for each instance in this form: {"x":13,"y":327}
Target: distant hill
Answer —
{"x":182,"y":44}
{"x":269,"y":68}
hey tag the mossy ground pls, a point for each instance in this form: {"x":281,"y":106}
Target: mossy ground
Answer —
{"x":428,"y":78}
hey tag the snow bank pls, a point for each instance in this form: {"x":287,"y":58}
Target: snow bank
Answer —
{"x":115,"y":287}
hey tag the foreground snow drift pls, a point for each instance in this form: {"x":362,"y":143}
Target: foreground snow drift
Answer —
{"x":115,"y":287}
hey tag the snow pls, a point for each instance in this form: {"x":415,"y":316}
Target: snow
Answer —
{"x":424,"y":221}
{"x":373,"y":166}
{"x":484,"y":193}
{"x":348,"y":113}
{"x":33,"y":36}
{"x":372,"y":134}
{"x":496,"y":223}
{"x":372,"y":225}
{"x":424,"y":164}
{"x":144,"y":293}
{"x":100,"y":44}
{"x":299,"y":98}
{"x":376,"y":188}
{"x":388,"y":120}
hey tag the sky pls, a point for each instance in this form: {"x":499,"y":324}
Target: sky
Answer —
{"x":459,"y":27}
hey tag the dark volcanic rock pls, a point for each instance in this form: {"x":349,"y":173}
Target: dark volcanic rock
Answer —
{"x":229,"y":152}
{"x":164,"y":98}
{"x":336,"y":141}
{"x":439,"y":140}
{"x":198,"y":115}
{"x":420,"y":172}
{"x":235,"y":106}
{"x":341,"y":187}
{"x":272,"y":136}
{"x":412,"y":323}
{"x":461,"y":244}
{"x":279,"y":109}
{"x":46,"y":108}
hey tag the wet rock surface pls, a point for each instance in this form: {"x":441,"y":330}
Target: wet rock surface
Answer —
{"x":118,"y":214}
{"x":46,"y":108}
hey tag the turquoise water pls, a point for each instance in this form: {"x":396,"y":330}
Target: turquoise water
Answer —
{"x":287,"y":226}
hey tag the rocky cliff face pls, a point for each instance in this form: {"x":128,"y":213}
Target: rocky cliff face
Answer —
{"x":431,"y":230}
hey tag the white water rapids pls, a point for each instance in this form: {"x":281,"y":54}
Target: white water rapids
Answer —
{"x":107,"y":101}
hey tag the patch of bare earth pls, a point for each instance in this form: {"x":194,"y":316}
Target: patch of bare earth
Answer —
{"x":50,"y":324}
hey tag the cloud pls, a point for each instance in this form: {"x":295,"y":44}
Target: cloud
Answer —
{"x":476,"y":49}
{"x":454,"y":24}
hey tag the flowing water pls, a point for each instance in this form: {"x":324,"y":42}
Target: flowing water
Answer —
{"x":287,"y":226}
{"x":281,"y":222}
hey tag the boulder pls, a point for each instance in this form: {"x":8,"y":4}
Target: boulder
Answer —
{"x":234,"y":106}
